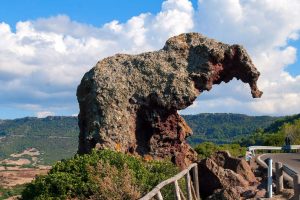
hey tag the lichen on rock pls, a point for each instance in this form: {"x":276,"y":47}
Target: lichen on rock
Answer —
{"x":129,"y":102}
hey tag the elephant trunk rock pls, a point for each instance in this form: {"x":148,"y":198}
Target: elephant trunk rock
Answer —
{"x":129,"y":102}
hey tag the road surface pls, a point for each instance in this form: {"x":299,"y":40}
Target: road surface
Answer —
{"x":291,"y":159}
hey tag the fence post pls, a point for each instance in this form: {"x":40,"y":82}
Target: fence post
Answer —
{"x":188,"y":185}
{"x":159,"y":196}
{"x":196,"y":181}
{"x":279,"y":177}
{"x":296,"y":180}
{"x":177,"y":190}
{"x":270,"y":189}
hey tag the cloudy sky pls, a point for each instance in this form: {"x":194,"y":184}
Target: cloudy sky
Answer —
{"x":47,"y":45}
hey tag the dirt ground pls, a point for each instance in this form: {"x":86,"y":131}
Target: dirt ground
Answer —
{"x":19,"y":177}
{"x":29,"y":151}
{"x":19,"y":162}
{"x":13,"y":170}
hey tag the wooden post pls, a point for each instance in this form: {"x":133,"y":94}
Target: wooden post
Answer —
{"x":177,"y":190}
{"x":196,"y":181}
{"x":188,"y":185}
{"x":296,"y":180}
{"x":159,"y":196}
{"x":279,"y":177}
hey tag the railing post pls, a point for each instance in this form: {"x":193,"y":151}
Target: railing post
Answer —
{"x":196,"y":181}
{"x":188,"y":186}
{"x":270,"y":189}
{"x":296,"y":180}
{"x":279,"y":177}
{"x":159,"y":196}
{"x":177,"y":190}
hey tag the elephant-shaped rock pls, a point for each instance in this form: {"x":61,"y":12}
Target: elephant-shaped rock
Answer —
{"x":129,"y":103}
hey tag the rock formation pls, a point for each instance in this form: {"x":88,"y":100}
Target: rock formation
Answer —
{"x":129,"y":102}
{"x":224,"y":177}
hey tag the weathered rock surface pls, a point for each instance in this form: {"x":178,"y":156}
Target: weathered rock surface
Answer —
{"x":224,"y":177}
{"x":130,"y":102}
{"x":213,"y":177}
{"x":239,"y":166}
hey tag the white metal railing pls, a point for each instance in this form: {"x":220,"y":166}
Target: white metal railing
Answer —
{"x":279,"y":169}
{"x":192,"y":188}
{"x":286,"y":147}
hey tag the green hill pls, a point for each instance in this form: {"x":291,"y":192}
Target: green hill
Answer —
{"x":276,"y":133}
{"x":223,"y":127}
{"x":275,"y":126}
{"x":55,"y":137}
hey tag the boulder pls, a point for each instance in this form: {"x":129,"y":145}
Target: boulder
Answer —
{"x":224,"y":177}
{"x":213,"y":177}
{"x":129,"y":103}
{"x":238,"y":165}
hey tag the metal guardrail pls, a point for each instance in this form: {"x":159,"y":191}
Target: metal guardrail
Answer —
{"x":290,"y":171}
{"x":287,"y":147}
{"x":279,"y":169}
{"x":191,"y":187}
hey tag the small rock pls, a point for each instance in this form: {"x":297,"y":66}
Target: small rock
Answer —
{"x":261,"y":193}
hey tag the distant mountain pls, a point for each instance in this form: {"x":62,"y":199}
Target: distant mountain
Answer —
{"x":57,"y":137}
{"x":223,"y":127}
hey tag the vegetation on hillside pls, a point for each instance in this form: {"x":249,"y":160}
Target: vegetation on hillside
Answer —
{"x":55,"y":137}
{"x":223,"y":127}
{"x":101,"y":175}
{"x":275,"y":134}
{"x":206,"y":149}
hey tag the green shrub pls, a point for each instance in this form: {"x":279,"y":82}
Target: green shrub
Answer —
{"x":97,"y":175}
{"x":206,"y":149}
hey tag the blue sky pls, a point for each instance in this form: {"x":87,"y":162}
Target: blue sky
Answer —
{"x":92,"y":12}
{"x":46,"y":46}
{"x":89,"y":11}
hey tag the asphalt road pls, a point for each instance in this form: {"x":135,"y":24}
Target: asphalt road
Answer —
{"x":291,"y":159}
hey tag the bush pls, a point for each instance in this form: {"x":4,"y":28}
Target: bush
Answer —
{"x":98,"y":175}
{"x":206,"y":149}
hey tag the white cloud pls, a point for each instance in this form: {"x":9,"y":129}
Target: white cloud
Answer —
{"x":43,"y":114}
{"x":264,"y":27}
{"x":43,"y":61}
